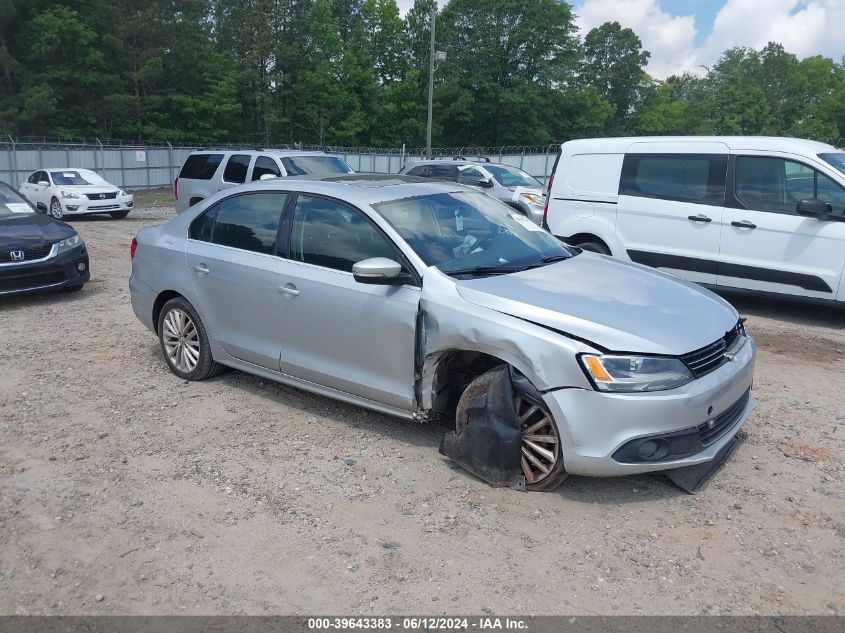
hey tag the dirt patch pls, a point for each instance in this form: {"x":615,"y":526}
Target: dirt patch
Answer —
{"x":239,"y":495}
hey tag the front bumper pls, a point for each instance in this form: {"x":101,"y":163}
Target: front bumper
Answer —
{"x":594,"y":425}
{"x":52,"y":273}
{"x":84,"y":206}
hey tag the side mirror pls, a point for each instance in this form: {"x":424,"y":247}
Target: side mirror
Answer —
{"x":814,"y":208}
{"x":43,"y":183}
{"x":267,"y":177}
{"x":379,"y":270}
{"x":485,"y":182}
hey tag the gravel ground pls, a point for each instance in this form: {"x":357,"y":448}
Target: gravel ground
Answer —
{"x":126,"y":490}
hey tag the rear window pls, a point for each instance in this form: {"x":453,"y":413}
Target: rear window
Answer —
{"x":201,"y":166}
{"x":697,"y":178}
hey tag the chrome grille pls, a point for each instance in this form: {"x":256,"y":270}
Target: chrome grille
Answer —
{"x":710,"y":357}
{"x":102,"y":196}
{"x":29,"y":254}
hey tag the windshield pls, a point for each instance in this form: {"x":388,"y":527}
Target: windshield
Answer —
{"x":315,"y":165}
{"x":76,"y":177}
{"x":512,"y":176}
{"x":11,"y":203}
{"x":462,"y":231}
{"x":836,"y":159}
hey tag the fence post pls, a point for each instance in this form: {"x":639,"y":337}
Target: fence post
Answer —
{"x":102,"y":158}
{"x":122,"y":171}
{"x":170,"y":161}
{"x":13,"y":164}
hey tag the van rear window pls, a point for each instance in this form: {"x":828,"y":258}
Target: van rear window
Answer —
{"x":201,"y":166}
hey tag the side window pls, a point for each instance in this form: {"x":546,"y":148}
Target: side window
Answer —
{"x":202,"y":226}
{"x":33,"y":178}
{"x":777,"y":185}
{"x":236,"y":168}
{"x":331,"y":234}
{"x":249,"y":221}
{"x":470,"y":176}
{"x":419,"y":170}
{"x":201,"y":166}
{"x":265,"y":165}
{"x":443,"y":172}
{"x":832,"y":193}
{"x":696,"y":178}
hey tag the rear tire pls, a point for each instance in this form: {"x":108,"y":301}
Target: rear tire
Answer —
{"x":184,"y":341}
{"x":594,"y":247}
{"x":542,"y":459}
{"x":119,"y":215}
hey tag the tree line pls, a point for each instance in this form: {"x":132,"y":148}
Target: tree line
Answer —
{"x":355,"y":72}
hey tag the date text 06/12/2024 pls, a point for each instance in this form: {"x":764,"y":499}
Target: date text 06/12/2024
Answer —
{"x":419,"y":623}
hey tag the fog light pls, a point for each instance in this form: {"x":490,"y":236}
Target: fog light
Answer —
{"x":648,"y":449}
{"x":72,"y":207}
{"x":80,"y":266}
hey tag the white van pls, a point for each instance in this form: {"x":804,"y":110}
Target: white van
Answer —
{"x":747,"y":212}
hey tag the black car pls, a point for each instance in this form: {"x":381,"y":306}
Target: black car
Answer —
{"x":37,"y":252}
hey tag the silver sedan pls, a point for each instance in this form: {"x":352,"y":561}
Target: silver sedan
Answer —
{"x":429,"y":300}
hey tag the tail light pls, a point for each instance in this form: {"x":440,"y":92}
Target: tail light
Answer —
{"x":176,"y":188}
{"x":133,"y":248}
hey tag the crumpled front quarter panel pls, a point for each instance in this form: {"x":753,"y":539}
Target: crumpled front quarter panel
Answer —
{"x":545,"y":357}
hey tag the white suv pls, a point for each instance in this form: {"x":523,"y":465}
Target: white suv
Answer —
{"x":202,"y":175}
{"x":753,"y":213}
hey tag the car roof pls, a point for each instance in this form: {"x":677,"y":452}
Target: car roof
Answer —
{"x":361,"y":189}
{"x":451,"y":161}
{"x":769,"y":143}
{"x":267,"y":152}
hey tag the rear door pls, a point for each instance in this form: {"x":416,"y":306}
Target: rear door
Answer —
{"x":231,"y":256}
{"x":670,"y":206}
{"x":236,"y":170}
{"x":766,"y":245}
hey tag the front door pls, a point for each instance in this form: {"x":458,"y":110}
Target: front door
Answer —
{"x":354,"y":337}
{"x":766,"y":245}
{"x":231,"y":256}
{"x":670,"y":207}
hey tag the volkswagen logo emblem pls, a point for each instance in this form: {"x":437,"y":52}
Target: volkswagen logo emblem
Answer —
{"x":16,"y":256}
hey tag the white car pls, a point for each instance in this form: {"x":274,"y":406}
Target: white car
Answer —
{"x":758,"y":214}
{"x":73,"y":191}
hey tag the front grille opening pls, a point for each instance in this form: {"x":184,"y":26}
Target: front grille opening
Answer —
{"x":710,"y":357}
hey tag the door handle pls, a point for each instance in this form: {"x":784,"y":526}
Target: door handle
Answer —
{"x":289,"y":290}
{"x":699,"y":218}
{"x":202,"y":269}
{"x":745,"y":224}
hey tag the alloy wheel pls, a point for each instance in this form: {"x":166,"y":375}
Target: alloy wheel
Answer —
{"x":540,"y":441}
{"x":56,"y":209}
{"x":181,"y":340}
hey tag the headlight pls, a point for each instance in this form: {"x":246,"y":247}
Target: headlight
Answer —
{"x":121,"y":193}
{"x":68,"y":194}
{"x":628,"y":373}
{"x":533,"y":198}
{"x":69,"y":243}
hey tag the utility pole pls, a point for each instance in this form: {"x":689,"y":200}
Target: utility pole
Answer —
{"x":430,"y":82}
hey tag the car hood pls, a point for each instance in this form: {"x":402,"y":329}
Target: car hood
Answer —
{"x":31,"y":229}
{"x":618,"y":306}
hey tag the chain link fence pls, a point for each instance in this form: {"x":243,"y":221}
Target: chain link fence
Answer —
{"x":149,"y":165}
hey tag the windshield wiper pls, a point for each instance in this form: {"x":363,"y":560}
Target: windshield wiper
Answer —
{"x":486,"y":270}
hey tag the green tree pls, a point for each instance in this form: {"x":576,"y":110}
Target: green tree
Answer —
{"x":614,"y":64}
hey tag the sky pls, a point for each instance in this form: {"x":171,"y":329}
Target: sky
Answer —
{"x":688,"y":35}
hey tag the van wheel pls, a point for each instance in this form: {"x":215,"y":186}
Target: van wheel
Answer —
{"x":193,"y":201}
{"x":184,"y":341}
{"x":594,"y":247}
{"x":542,"y":457}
